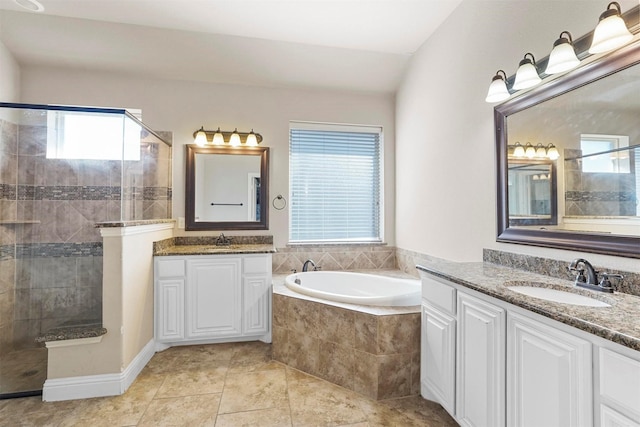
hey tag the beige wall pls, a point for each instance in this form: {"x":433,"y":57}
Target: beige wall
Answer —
{"x":445,"y":181}
{"x":9,"y":76}
{"x":183,"y":107}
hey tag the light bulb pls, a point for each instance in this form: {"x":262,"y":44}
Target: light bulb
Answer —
{"x":201,"y":138}
{"x":234,"y":141}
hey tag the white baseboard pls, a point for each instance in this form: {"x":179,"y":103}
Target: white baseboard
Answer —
{"x":97,"y":385}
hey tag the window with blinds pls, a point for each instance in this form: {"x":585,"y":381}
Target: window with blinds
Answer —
{"x":335,"y":183}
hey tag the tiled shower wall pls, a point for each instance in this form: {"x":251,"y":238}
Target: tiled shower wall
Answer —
{"x":597,"y":194}
{"x":50,"y":250}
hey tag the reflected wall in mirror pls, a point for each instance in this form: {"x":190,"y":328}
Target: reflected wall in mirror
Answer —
{"x":532,"y":192}
{"x":592,"y":117}
{"x":226,"y":188}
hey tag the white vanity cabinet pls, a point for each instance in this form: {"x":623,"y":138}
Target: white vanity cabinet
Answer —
{"x":212,"y":298}
{"x":491,"y":363}
{"x":549,"y":376}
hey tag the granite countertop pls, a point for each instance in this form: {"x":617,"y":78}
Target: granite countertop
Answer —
{"x":216,"y":250}
{"x":619,"y":323}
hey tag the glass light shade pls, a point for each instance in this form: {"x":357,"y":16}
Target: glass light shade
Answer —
{"x":552,"y":152}
{"x":252,"y":140}
{"x":218,"y":138}
{"x":536,"y":177}
{"x":518,"y":151}
{"x":541,"y":151}
{"x":234,"y":141}
{"x":529,"y":151}
{"x":201,"y":138}
{"x":526,"y":76}
{"x":611,"y":32}
{"x":562,"y":57}
{"x":497,"y":90}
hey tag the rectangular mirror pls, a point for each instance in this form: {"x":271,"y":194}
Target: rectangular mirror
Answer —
{"x":226,"y":188}
{"x":589,"y":116}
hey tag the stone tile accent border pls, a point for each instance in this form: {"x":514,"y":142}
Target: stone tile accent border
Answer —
{"x":40,"y":250}
{"x":375,"y":355}
{"x":335,"y":257}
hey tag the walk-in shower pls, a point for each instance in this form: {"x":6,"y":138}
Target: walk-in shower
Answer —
{"x":62,"y":169}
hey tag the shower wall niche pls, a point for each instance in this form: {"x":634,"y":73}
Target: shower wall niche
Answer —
{"x":62,"y":170}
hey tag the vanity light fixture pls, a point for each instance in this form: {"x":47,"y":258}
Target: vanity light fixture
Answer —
{"x":563,"y":56}
{"x":541,"y":151}
{"x":552,"y":152}
{"x":527,"y":74}
{"x":219,"y":137}
{"x":498,"y":88}
{"x":234,"y":141}
{"x":201,"y":137}
{"x":611,"y":31}
{"x":529,"y":151}
{"x":251,"y":140}
{"x":518,"y":151}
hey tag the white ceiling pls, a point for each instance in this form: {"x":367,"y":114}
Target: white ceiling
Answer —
{"x":340,"y":44}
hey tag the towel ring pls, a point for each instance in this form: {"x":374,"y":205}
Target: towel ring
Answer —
{"x":279,"y":202}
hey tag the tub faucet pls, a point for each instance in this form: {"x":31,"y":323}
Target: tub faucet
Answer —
{"x":305,"y":266}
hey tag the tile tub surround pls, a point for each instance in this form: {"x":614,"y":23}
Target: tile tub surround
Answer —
{"x":374,"y":351}
{"x":335,"y":257}
{"x":619,"y":323}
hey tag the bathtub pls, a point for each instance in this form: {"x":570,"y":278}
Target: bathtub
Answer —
{"x":356,"y":288}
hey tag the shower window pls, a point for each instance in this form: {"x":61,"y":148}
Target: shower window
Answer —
{"x":91,"y":136}
{"x":335,"y":174}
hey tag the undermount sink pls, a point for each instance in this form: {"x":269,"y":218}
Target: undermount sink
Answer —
{"x":552,"y":293}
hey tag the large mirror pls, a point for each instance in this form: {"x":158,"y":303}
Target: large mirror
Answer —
{"x":590,"y":120}
{"x":226,"y":188}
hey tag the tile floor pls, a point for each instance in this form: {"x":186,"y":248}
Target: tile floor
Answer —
{"x":225,"y":385}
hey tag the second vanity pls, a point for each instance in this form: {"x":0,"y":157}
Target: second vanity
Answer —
{"x":492,"y":356}
{"x":208,"y":293}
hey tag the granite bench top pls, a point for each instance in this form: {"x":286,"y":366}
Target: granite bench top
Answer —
{"x":72,"y":333}
{"x":619,"y":323}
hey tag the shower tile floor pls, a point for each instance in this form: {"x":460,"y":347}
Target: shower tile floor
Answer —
{"x":225,"y":385}
{"x":23,"y":370}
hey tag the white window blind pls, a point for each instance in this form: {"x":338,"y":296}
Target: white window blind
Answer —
{"x":335,"y":182}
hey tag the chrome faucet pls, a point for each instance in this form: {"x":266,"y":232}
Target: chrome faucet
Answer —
{"x":305,"y":266}
{"x":587,"y":276}
{"x":222,"y":240}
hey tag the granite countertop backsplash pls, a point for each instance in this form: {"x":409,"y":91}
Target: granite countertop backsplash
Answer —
{"x":619,"y":323}
{"x":207,"y":246}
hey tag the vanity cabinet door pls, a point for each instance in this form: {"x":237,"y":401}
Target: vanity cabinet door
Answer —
{"x":480,"y":363}
{"x":549,"y":376}
{"x":257,"y":304}
{"x":169,"y":310}
{"x":437,"y":357}
{"x":214,"y":298}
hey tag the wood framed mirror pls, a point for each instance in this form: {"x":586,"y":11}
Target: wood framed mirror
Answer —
{"x":226,"y":188}
{"x":598,"y":189}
